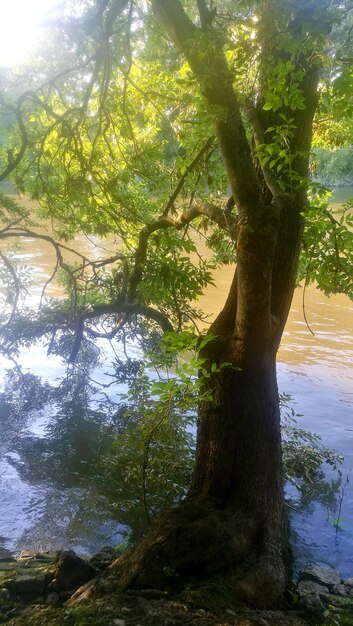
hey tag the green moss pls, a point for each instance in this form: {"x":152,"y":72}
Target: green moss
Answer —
{"x":83,"y":615}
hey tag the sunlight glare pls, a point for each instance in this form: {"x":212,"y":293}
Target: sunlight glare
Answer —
{"x":20,"y":27}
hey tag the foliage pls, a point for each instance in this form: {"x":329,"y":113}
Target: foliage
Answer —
{"x":155,"y":112}
{"x":328,"y":245}
{"x":149,"y":468}
{"x":114,"y":138}
{"x":333,"y":167}
{"x":305,"y":460}
{"x":138,"y":454}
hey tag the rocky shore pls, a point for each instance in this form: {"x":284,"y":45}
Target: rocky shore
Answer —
{"x":38,"y":589}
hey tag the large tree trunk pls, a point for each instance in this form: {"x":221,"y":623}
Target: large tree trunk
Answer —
{"x":232,"y":524}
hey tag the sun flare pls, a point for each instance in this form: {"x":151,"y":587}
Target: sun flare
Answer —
{"x":20,"y":28}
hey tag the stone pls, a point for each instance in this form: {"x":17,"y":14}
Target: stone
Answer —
{"x":53,"y":599}
{"x":65,"y":596}
{"x":340,"y":590}
{"x":326,"y":576}
{"x":349,"y":582}
{"x":26,"y":585}
{"x":119,"y":622}
{"x":27,"y":554}
{"x":71,"y":571}
{"x":4,"y":594}
{"x":125,"y":610}
{"x":103,"y":558}
{"x":309,"y":587}
{"x":312,"y":604}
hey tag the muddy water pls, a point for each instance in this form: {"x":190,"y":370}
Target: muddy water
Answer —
{"x":314,"y":366}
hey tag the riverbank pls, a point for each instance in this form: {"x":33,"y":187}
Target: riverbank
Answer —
{"x":39,"y":589}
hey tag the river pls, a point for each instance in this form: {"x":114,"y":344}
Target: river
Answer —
{"x":49,"y":499}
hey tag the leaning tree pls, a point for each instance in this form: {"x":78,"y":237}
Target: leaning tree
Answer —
{"x":167,"y":123}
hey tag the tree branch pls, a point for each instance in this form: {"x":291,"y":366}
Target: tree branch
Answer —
{"x":188,"y":171}
{"x":222,"y":217}
{"x":13,"y":161}
{"x":205,"y":14}
{"x":259,"y":139}
{"x":13,"y":274}
{"x":206,"y":58}
{"x":130,"y":309}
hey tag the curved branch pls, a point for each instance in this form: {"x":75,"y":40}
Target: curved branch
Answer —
{"x":13,"y":162}
{"x":25,"y":232}
{"x":206,"y":146}
{"x":222,"y":217}
{"x":13,"y":274}
{"x":131,"y":309}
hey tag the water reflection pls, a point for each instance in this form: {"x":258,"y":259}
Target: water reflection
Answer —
{"x":52,"y":435}
{"x":51,"y":439}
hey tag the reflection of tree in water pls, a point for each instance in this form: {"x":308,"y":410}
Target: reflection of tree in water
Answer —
{"x":59,"y":438}
{"x":53,"y":435}
{"x":54,"y":429}
{"x":3,"y":550}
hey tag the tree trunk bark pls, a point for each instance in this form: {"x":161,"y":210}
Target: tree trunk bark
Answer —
{"x":232,"y":525}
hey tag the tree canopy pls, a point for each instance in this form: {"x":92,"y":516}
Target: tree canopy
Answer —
{"x":115,"y":137}
{"x":165,"y":124}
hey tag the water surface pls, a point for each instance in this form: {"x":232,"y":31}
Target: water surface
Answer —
{"x":48,"y":496}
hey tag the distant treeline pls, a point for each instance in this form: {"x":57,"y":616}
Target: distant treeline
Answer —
{"x":333,"y":168}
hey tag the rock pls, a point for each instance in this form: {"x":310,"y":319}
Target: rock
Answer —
{"x":119,"y":622}
{"x":312,"y":605}
{"x":53,"y":599}
{"x":71,"y":572}
{"x":103,"y":558}
{"x":65,"y":596}
{"x":27,"y":554}
{"x":4,"y":594}
{"x":125,"y":610}
{"x":32,"y":555}
{"x":326,"y":576}
{"x":30,"y":586}
{"x":311,"y":591}
{"x":310,"y":587}
{"x":348,"y":585}
{"x":340,"y":590}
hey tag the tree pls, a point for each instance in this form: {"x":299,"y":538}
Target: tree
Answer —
{"x":157,"y":110}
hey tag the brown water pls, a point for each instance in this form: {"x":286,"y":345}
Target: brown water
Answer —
{"x":315,"y":367}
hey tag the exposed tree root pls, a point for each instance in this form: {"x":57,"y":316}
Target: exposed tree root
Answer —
{"x":196,"y":546}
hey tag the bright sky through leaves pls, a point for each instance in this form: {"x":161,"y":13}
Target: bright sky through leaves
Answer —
{"x":20,"y":27}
